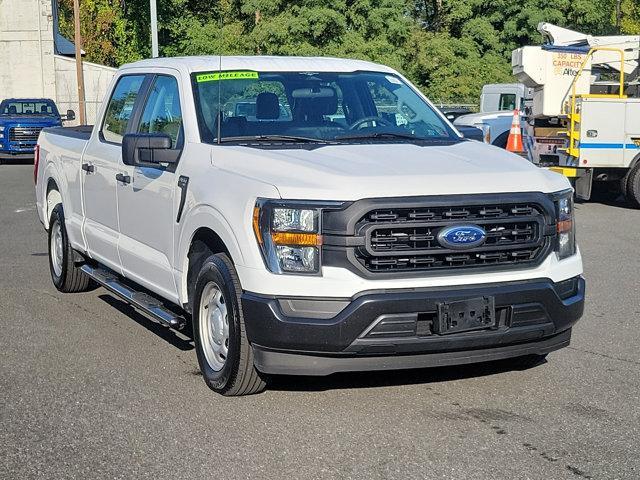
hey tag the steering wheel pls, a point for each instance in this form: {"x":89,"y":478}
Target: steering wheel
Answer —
{"x":358,"y":123}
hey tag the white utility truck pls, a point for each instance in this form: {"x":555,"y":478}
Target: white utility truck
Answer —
{"x":584,"y":117}
{"x":496,"y":124}
{"x":497,"y":103}
{"x":355,"y":231}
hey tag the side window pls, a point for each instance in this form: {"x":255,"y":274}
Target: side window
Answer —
{"x":507,"y":101}
{"x":120,"y":108}
{"x":162,"y":112}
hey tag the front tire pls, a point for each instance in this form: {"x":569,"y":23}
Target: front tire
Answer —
{"x":223,"y":350}
{"x":632,"y":193}
{"x":65,"y":274}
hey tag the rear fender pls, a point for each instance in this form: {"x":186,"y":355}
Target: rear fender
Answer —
{"x":50,"y":197}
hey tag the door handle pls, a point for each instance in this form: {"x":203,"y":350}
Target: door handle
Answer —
{"x":87,"y":167}
{"x":183,"y":183}
{"x":121,"y":177}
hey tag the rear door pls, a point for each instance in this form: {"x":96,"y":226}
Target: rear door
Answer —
{"x":148,"y":205}
{"x":101,"y":165}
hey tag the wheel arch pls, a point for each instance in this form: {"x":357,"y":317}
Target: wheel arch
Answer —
{"x":205,"y":232}
{"x":52,"y":190}
{"x":634,"y":162}
{"x":501,"y":140}
{"x":53,"y":197}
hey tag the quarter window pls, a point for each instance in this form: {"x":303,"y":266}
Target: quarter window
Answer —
{"x":162,"y":112}
{"x":120,"y":108}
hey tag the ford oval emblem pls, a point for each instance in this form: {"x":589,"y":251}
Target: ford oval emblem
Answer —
{"x":462,"y":236}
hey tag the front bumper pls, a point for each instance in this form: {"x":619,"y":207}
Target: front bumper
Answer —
{"x":382,"y":330}
{"x":17,"y":154}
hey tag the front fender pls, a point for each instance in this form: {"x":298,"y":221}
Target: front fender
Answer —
{"x":202,"y":216}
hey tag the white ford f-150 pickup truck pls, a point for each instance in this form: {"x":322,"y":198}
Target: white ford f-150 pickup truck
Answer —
{"x":308,"y":216}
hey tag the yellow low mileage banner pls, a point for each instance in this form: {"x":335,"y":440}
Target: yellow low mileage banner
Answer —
{"x":213,"y":77}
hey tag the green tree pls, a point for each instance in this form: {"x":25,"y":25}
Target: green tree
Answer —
{"x":109,"y":37}
{"x":629,"y":17}
{"x":449,"y":48}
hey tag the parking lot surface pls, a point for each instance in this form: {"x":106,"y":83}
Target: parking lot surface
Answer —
{"x":89,"y":388}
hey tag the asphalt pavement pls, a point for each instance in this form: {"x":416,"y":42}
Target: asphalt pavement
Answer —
{"x":89,"y":388}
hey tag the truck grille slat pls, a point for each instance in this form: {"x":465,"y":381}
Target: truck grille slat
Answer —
{"x":24,"y":134}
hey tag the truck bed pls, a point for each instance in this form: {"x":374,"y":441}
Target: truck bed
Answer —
{"x":82,"y":132}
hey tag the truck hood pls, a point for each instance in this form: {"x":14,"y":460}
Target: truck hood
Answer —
{"x":352,"y":172}
{"x":476,"y":118}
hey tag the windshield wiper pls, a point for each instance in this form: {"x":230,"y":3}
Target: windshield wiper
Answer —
{"x":275,"y":138}
{"x":360,"y":136}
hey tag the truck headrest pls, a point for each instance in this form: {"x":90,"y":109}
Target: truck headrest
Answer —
{"x":267,"y":106}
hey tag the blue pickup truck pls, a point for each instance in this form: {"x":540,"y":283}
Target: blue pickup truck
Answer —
{"x":21,"y":120}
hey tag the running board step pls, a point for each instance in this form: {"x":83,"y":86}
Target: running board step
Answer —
{"x":140,"y":300}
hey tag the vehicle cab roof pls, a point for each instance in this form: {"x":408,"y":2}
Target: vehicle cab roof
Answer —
{"x":27,"y":100}
{"x":260,"y":63}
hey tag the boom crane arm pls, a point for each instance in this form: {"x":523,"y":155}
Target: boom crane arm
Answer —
{"x":556,"y":36}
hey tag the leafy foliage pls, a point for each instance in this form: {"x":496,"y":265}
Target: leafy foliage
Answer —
{"x":449,"y":48}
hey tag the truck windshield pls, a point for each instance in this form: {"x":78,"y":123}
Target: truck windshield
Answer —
{"x":28,"y":107}
{"x":311,"y":106}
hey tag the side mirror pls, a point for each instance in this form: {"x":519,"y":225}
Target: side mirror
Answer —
{"x":71,"y":115}
{"x":148,"y":149}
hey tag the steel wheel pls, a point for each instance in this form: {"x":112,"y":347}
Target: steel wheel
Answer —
{"x":214,"y":326}
{"x":57,"y":248}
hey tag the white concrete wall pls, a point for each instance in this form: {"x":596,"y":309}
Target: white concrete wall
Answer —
{"x":96,"y":83}
{"x":26,"y":49}
{"x":28,"y":66}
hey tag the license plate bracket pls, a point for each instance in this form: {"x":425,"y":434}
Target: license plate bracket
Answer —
{"x":465,"y":315}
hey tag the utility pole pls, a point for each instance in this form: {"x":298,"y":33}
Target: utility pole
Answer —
{"x":82,"y":107}
{"x":258,"y":18}
{"x":154,"y":29}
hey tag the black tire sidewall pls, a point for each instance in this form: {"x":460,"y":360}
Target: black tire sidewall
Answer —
{"x":633,"y":186}
{"x":216,"y":270}
{"x":57,"y":215}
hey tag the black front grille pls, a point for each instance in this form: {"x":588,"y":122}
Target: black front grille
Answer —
{"x":24,"y":134}
{"x":399,"y":240}
{"x":407,"y":239}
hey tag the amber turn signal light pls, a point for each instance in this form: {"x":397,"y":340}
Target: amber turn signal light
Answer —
{"x":302,"y":239}
{"x":565,"y":226}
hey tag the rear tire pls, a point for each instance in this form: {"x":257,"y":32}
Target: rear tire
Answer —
{"x":223,"y":350}
{"x":65,"y":274}
{"x":632,"y":194}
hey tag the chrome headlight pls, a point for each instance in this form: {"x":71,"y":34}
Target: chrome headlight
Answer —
{"x":1,"y":132}
{"x":566,"y":227}
{"x":289,"y":235}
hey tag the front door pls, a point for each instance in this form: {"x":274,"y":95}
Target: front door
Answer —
{"x":148,"y":205}
{"x":102,"y":161}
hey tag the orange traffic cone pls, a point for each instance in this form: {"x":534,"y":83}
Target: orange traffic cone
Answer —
{"x":514,"y":141}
